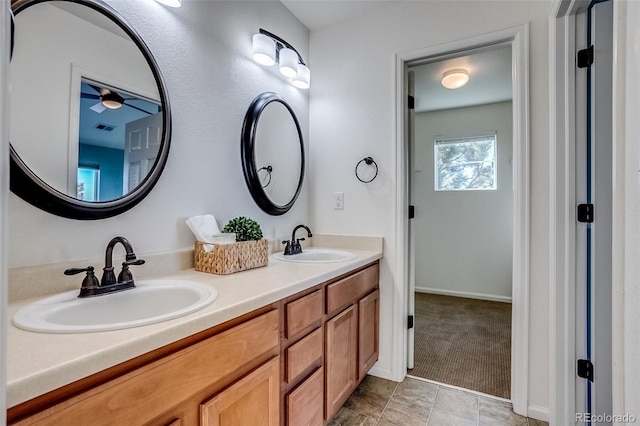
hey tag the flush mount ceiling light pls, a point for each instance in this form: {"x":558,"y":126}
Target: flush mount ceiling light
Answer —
{"x":455,"y":79}
{"x":171,"y":3}
{"x":268,"y":49}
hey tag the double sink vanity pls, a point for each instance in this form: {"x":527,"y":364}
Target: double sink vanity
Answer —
{"x":283,"y":344}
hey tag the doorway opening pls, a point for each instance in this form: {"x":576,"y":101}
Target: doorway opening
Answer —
{"x":461,"y":186}
{"x":462,"y":158}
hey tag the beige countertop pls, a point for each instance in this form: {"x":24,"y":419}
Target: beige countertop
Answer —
{"x":39,"y":362}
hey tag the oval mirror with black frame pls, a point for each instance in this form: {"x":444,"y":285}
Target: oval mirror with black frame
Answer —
{"x":90,"y":122}
{"x":272,"y":153}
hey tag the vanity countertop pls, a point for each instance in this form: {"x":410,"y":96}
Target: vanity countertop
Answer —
{"x":38,"y":362}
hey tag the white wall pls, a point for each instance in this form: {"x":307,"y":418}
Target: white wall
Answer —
{"x":463,"y":239}
{"x":352,"y":115}
{"x":204,"y":52}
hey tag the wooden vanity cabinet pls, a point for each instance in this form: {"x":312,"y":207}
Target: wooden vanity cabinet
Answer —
{"x":216,"y":381}
{"x":351,"y":335}
{"x":329,"y":343}
{"x":302,"y":385}
{"x":294,"y":362}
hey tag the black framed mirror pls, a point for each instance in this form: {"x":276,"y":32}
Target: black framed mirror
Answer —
{"x":90,"y":122}
{"x":272,"y":153}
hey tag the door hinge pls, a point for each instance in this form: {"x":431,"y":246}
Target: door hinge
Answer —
{"x":411,"y":102}
{"x":410,"y":322}
{"x":585,"y":57}
{"x":585,"y":369}
{"x":585,"y":213}
{"x":412,"y":212}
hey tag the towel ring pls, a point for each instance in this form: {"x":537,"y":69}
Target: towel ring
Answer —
{"x":269,"y":169}
{"x":368,"y":161}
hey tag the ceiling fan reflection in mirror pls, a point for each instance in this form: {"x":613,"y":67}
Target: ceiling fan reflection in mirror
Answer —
{"x":110,"y":99}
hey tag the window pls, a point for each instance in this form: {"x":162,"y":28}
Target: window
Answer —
{"x":465,"y":164}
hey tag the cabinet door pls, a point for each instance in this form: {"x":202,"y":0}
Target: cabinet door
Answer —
{"x":253,"y":400}
{"x":368,"y":328}
{"x":340,"y":359}
{"x":304,"y":403}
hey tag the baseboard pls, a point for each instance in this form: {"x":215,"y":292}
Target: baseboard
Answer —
{"x":538,"y":413}
{"x":492,"y":297}
{"x":383,"y":373}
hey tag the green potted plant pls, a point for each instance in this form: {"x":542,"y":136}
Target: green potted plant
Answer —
{"x":250,"y":250}
{"x":246,"y":229}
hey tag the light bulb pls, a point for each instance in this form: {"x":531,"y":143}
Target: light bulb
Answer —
{"x":302,"y":79}
{"x":264,"y":50}
{"x":288,"y":62}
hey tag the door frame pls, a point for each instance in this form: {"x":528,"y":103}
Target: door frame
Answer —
{"x":562,"y":202}
{"x":518,"y":37}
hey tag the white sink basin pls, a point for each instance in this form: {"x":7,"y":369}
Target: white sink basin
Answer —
{"x":150,"y":302}
{"x":312,"y":255}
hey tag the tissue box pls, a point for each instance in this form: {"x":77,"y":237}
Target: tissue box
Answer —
{"x":229,"y":258}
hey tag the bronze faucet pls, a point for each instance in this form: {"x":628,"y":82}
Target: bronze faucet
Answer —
{"x":293,"y":246}
{"x":108,"y":283}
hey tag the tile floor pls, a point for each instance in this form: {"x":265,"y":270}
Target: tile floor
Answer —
{"x":416,"y":402}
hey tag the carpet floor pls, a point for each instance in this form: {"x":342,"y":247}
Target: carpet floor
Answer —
{"x":463,"y":342}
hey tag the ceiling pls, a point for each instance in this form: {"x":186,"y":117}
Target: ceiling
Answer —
{"x":489,"y":69}
{"x":489,"y":80}
{"x":317,"y":14}
{"x":107,"y":128}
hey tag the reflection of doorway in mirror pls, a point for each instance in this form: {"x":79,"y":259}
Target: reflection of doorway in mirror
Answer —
{"x":104,"y":110}
{"x":88,"y":183}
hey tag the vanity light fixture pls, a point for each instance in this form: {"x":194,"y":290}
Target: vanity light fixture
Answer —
{"x":171,"y":3}
{"x":268,"y":49}
{"x":455,"y":79}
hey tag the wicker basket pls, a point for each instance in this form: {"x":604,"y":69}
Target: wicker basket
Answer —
{"x":229,"y":258}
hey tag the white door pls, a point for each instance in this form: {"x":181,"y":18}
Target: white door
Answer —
{"x":142,"y":145}
{"x":594,"y":240}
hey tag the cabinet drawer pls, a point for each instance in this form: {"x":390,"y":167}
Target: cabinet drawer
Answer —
{"x":140,"y":396}
{"x":303,"y":312}
{"x":303,"y":354}
{"x":350,"y":289}
{"x":305,"y":403}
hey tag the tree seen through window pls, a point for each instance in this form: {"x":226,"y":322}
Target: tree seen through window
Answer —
{"x":465,"y":164}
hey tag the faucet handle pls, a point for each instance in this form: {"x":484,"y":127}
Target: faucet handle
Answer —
{"x":90,"y":281}
{"x":125,"y":275}
{"x":74,"y":271}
